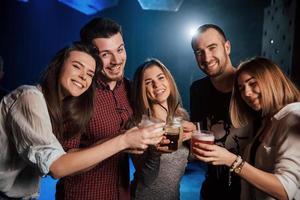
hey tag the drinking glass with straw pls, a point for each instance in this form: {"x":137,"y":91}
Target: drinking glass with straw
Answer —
{"x":198,"y":127}
{"x":199,"y":136}
{"x":173,"y":130}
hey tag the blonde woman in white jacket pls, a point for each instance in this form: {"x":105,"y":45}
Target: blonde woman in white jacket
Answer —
{"x":270,"y":166}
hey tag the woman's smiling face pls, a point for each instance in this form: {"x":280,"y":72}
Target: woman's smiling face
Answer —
{"x":250,"y":90}
{"x":77,"y":73}
{"x":156,"y":84}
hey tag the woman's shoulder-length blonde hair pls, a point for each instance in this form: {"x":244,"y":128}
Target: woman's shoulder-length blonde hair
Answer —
{"x":141,"y":103}
{"x":276,"y":90}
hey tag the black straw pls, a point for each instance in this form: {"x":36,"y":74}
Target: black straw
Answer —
{"x":175,"y":109}
{"x":148,"y":112}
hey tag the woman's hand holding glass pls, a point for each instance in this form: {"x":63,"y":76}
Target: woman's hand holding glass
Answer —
{"x":213,"y":154}
{"x":161,"y":146}
{"x":139,"y":138}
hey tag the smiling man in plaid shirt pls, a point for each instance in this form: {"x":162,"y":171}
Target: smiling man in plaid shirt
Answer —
{"x":109,"y":179}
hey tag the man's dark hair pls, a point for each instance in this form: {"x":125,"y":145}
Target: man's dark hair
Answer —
{"x":205,"y":27}
{"x":99,"y":28}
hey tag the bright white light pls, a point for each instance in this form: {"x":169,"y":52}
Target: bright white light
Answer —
{"x":191,"y":30}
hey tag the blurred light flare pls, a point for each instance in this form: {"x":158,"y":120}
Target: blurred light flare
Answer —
{"x":191,"y":30}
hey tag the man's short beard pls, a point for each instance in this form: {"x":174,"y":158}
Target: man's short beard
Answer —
{"x":116,"y":78}
{"x":109,"y":79}
{"x":221,"y":69}
{"x":220,"y":72}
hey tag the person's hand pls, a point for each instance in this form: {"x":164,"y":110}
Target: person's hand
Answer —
{"x":160,"y":146}
{"x":140,"y":138}
{"x":213,"y":154}
{"x":188,"y":128}
{"x":134,"y":151}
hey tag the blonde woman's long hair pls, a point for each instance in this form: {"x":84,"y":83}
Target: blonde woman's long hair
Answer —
{"x":276,"y":88}
{"x":140,"y":101}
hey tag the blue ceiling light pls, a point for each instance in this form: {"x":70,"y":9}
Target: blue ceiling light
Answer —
{"x":23,"y":1}
{"x":90,"y":7}
{"x":164,"y":5}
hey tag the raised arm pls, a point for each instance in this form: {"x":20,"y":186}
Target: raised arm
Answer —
{"x":79,"y":160}
{"x":35,"y":142}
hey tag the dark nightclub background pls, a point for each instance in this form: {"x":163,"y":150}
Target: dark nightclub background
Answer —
{"x":32,"y":31}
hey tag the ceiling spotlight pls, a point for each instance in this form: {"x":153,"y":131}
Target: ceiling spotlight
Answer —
{"x":164,"y":5}
{"x":90,"y":7}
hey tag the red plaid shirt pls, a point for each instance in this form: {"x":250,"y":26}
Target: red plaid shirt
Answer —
{"x":109,"y":180}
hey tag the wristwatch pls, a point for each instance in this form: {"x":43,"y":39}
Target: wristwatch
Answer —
{"x":238,"y":169}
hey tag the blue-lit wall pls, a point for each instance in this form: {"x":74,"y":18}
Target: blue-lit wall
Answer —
{"x":30,"y":34}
